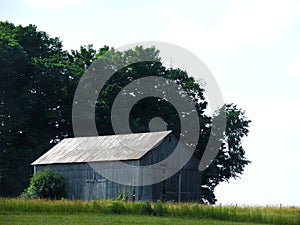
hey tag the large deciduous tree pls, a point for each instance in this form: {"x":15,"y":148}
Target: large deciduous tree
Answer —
{"x":230,"y":160}
{"x":37,"y":79}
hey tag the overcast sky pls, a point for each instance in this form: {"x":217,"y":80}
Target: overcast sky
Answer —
{"x":252,"y":48}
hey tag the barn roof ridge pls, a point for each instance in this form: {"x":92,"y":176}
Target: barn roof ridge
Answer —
{"x":107,"y":135}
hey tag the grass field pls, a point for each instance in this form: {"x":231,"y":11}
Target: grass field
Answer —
{"x":20,"y":211}
{"x":104,"y":219}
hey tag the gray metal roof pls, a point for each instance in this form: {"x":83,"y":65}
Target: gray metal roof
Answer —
{"x":102,"y":148}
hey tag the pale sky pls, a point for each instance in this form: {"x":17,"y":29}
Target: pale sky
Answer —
{"x":252,"y":48}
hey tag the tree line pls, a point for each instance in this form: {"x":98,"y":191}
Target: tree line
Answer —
{"x":38,"y":83}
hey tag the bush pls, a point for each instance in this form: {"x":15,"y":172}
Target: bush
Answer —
{"x":158,"y":209}
{"x":142,"y":208}
{"x":45,"y":184}
{"x":117,"y":207}
{"x":148,"y":209}
{"x":29,"y":193}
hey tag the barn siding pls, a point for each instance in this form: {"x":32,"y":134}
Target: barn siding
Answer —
{"x":82,"y":182}
{"x":188,"y":176}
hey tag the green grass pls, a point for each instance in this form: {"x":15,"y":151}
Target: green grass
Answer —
{"x":92,"y":218}
{"x":14,"y":208}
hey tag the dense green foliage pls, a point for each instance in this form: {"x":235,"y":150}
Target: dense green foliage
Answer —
{"x":38,"y":82}
{"x":265,"y":215}
{"x":45,"y":184}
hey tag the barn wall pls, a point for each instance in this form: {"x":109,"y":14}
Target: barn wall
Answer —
{"x":191,"y":181}
{"x":82,"y":182}
{"x":184,"y":185}
{"x":75,"y":177}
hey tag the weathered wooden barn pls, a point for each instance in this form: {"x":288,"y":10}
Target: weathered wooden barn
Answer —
{"x":73,"y":158}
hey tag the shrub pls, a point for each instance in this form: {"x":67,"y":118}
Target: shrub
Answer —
{"x":117,"y":207}
{"x":158,"y":208}
{"x":29,"y":193}
{"x":45,"y":184}
{"x":142,"y":208}
{"x":148,"y":208}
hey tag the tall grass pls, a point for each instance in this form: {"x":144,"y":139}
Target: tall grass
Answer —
{"x":269,"y":215}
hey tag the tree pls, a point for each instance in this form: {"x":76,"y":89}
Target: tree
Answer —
{"x":230,"y":161}
{"x":36,"y":97}
{"x":37,"y":80}
{"x":15,"y":68}
{"x":45,"y":184}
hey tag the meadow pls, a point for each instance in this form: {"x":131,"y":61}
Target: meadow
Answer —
{"x":22,"y":211}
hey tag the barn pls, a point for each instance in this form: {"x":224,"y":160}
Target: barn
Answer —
{"x":76,"y":158}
